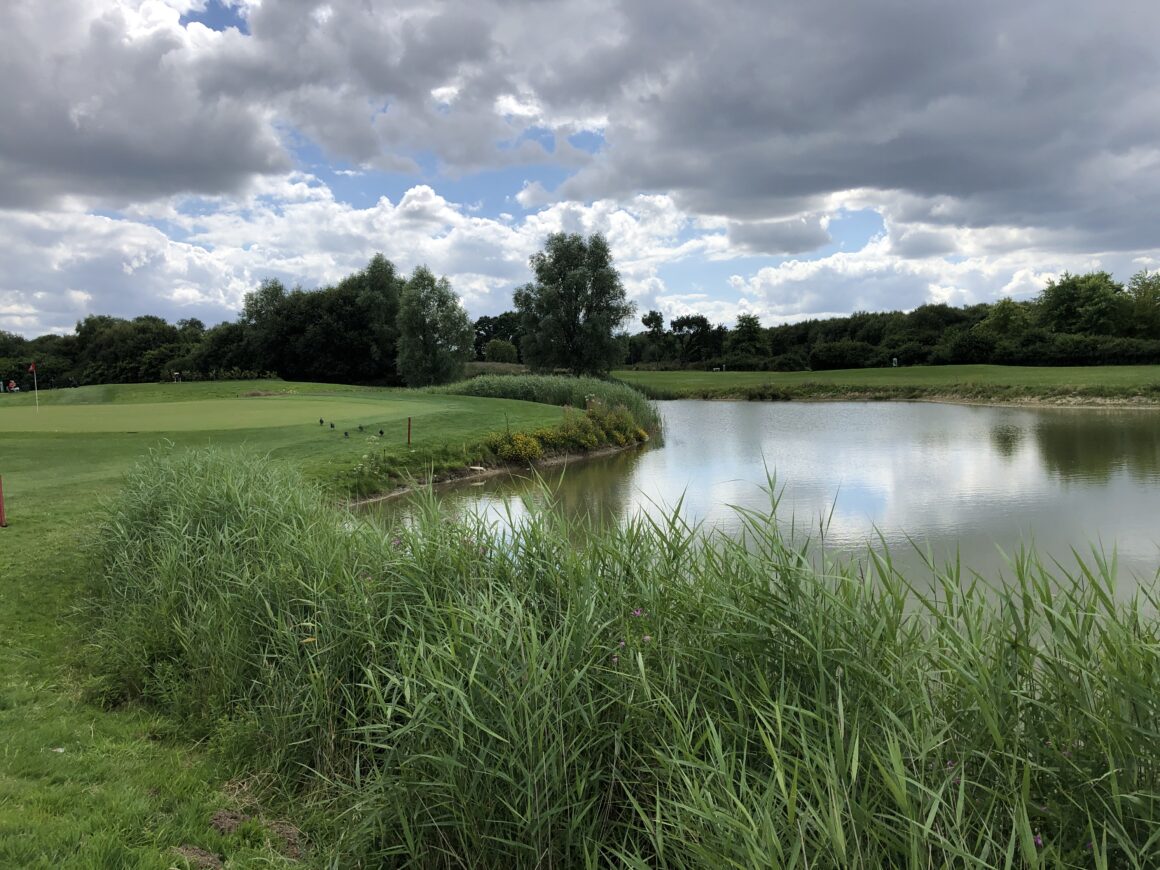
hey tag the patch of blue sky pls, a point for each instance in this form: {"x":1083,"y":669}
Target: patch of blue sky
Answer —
{"x":493,"y":192}
{"x":486,"y":194}
{"x":543,"y":135}
{"x":587,"y":140}
{"x":710,"y":277}
{"x":218,"y":15}
{"x":850,"y":231}
{"x":171,"y":230}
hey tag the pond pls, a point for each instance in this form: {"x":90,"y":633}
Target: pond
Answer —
{"x":928,"y":481}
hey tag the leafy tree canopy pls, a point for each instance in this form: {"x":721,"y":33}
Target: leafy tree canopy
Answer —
{"x":569,"y":314}
{"x":435,"y":334}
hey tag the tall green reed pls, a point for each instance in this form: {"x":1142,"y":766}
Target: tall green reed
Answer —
{"x":654,"y":695}
{"x":560,"y":390}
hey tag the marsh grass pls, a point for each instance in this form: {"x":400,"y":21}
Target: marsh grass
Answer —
{"x":445,"y":695}
{"x":561,"y":390}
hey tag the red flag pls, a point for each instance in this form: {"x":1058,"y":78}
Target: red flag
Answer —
{"x":32,"y":369}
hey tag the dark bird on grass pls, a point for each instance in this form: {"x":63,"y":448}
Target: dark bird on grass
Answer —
{"x":345,"y":434}
{"x":321,"y":421}
{"x":331,"y":425}
{"x":380,"y":433}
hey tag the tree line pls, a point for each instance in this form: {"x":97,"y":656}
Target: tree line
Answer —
{"x":377,"y":326}
{"x":1088,"y":319}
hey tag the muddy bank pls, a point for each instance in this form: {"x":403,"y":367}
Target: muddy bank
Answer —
{"x":470,"y":473}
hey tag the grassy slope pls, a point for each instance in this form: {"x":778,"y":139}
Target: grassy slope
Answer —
{"x":971,"y":381}
{"x":117,"y":796}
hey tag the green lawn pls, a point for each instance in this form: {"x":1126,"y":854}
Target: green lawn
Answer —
{"x":85,"y":787}
{"x":973,"y":380}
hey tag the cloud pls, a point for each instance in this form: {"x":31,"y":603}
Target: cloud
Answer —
{"x":197,"y":257}
{"x":998,"y":142}
{"x":101,"y":106}
{"x":793,"y":236}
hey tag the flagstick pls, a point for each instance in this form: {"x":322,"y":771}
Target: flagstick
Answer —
{"x":35,"y":390}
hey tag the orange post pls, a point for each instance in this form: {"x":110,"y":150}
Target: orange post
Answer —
{"x":3,"y":519}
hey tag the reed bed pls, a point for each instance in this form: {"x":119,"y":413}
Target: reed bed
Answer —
{"x":447,"y":694}
{"x":561,"y":390}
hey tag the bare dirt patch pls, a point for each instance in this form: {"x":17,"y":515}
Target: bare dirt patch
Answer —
{"x":199,"y":858}
{"x":227,"y":821}
{"x":287,"y":839}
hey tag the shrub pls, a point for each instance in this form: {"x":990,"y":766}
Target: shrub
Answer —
{"x":560,"y":390}
{"x":499,"y":351}
{"x":519,"y":447}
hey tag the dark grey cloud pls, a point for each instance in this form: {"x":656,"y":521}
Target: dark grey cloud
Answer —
{"x":981,"y":130}
{"x":776,"y":238}
{"x":96,"y":107}
{"x":1008,"y":109}
{"x":1041,"y":113}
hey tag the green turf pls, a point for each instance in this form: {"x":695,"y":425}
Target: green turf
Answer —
{"x":85,"y":787}
{"x":1028,"y":378}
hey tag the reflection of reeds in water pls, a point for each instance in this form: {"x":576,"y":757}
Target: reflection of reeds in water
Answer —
{"x":654,"y":695}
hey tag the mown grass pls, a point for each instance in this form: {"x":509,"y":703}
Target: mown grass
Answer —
{"x":446,"y":695}
{"x":971,"y":382}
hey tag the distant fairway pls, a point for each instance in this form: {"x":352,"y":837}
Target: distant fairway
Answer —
{"x":964,"y":381}
{"x":212,"y":414}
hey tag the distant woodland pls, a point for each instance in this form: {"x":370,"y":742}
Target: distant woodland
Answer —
{"x":378,"y":327}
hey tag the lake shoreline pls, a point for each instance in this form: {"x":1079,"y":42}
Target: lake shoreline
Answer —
{"x":1143,"y":403}
{"x":471,"y":474}
{"x":811,"y":394}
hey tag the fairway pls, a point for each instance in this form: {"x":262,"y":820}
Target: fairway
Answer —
{"x":215,"y":414}
{"x":971,"y":380}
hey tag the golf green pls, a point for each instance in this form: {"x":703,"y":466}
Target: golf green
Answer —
{"x":213,"y":414}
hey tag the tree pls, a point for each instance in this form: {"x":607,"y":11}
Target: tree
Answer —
{"x":568,"y":316}
{"x":654,"y":322}
{"x":1144,"y":290}
{"x":505,"y":327}
{"x":693,"y":333}
{"x":1091,"y":304}
{"x":435,"y":334}
{"x":747,"y":338}
{"x":1006,"y":320}
{"x":499,"y":351}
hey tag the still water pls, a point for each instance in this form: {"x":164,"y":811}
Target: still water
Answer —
{"x":927,"y":480}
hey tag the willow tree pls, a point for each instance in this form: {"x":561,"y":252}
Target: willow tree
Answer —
{"x":569,"y":313}
{"x":435,"y":334}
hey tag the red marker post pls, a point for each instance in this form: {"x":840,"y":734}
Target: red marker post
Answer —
{"x":3,"y":519}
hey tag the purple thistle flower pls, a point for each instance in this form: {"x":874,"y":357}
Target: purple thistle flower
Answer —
{"x":621,"y":644}
{"x":616,"y":660}
{"x":646,"y":639}
{"x":1038,"y":841}
{"x":638,"y":612}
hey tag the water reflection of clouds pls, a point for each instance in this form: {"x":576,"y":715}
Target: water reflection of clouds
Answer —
{"x":952,"y":478}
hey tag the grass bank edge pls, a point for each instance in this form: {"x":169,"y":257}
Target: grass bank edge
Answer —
{"x":597,"y":415}
{"x":1096,"y":385}
{"x":653,"y":695}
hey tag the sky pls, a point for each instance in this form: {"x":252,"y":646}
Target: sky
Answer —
{"x":785,"y":159}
